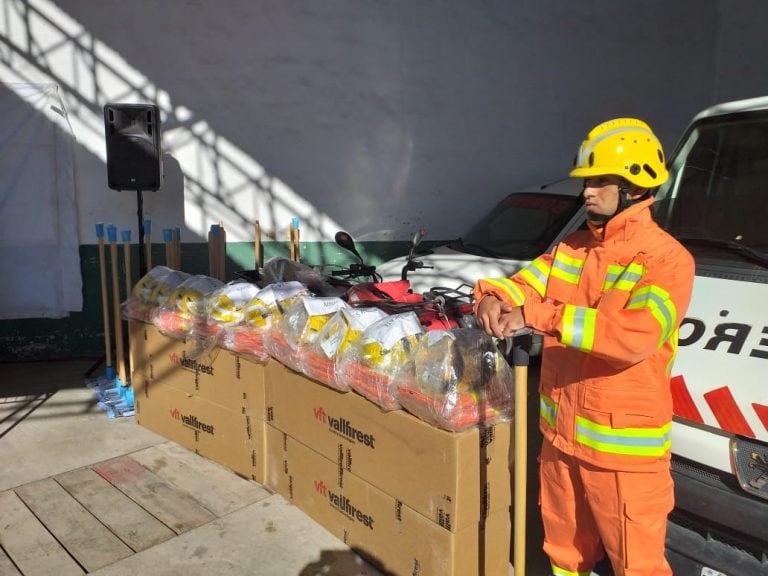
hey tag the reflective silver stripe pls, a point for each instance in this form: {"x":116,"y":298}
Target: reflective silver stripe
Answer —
{"x":567,"y":268}
{"x":548,"y":410}
{"x":648,"y":442}
{"x":662,"y":308}
{"x":583,"y":154}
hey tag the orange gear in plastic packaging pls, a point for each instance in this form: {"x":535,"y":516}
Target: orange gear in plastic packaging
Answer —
{"x":625,"y":147}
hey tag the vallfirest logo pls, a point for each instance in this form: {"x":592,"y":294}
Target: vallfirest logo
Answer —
{"x":345,"y":428}
{"x":190,"y":364}
{"x":191,"y":421}
{"x":344,"y":505}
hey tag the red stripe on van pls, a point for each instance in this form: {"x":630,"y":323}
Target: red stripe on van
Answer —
{"x":682,"y":401}
{"x":762,"y":413}
{"x":727,"y":412}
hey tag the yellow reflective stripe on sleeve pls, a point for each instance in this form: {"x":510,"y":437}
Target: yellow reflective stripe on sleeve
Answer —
{"x":621,"y":278}
{"x":673,"y":340}
{"x":536,"y":274}
{"x":547,"y":410}
{"x":567,"y":268}
{"x":509,"y":288}
{"x":557,"y":571}
{"x":578,"y":329}
{"x":650,"y":442}
{"x":661,"y":307}
{"x":613,"y":273}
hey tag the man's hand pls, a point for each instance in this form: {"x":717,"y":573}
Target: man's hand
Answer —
{"x":499,"y":319}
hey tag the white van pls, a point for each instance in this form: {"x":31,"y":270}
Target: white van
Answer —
{"x":716,"y":204}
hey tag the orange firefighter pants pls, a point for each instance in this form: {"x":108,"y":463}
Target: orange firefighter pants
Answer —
{"x":586,"y":509}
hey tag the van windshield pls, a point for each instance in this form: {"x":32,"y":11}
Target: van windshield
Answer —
{"x":716,"y":199}
{"x":522,"y":226}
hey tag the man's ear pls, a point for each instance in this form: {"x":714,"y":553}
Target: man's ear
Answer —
{"x":636,"y":192}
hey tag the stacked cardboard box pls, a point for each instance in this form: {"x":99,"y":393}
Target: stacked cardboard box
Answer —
{"x":212,"y":403}
{"x":417,"y":499}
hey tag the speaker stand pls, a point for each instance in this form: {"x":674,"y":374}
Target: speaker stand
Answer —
{"x":142,"y":252}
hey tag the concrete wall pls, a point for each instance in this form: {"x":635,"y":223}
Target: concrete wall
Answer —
{"x":377,"y":117}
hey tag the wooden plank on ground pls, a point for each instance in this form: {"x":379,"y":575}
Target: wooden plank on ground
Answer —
{"x":126,"y":519}
{"x":84,"y":537}
{"x":29,"y":544}
{"x":217,"y":488}
{"x":174,"y":508}
{"x":6,"y":566}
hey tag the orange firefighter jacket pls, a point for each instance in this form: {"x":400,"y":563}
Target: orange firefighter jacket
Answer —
{"x":610,"y":302}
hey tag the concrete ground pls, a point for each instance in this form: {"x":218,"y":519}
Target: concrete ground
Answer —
{"x":80,"y":493}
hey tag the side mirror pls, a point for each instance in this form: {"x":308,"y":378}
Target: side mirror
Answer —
{"x":345,"y":241}
{"x":417,"y":238}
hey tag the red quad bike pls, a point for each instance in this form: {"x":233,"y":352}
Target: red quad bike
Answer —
{"x":438,"y":308}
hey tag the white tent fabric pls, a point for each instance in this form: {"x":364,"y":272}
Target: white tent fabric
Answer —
{"x":39,"y":258}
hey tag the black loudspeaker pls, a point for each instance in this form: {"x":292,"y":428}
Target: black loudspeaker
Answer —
{"x":133,"y":146}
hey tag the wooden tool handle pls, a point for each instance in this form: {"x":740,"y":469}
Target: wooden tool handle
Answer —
{"x":257,"y":244}
{"x":119,"y":357}
{"x":104,"y":295}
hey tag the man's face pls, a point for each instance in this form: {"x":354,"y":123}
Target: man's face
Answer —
{"x":601,"y":197}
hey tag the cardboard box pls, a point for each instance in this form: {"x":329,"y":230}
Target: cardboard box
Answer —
{"x":231,"y":438}
{"x":435,"y":472}
{"x":381,"y":527}
{"x":180,"y":365}
{"x":163,"y":358}
{"x":219,"y":376}
{"x":144,"y":342}
{"x":252,"y":376}
{"x":158,"y":412}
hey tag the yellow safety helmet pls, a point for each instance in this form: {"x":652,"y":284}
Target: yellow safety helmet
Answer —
{"x":625,"y":147}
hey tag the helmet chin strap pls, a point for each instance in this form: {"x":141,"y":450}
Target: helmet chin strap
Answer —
{"x":624,"y":199}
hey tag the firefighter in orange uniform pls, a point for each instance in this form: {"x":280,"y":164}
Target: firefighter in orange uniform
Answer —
{"x":609,"y":300}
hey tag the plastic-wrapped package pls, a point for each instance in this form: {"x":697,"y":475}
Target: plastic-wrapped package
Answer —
{"x":279,"y":269}
{"x":185,"y":306}
{"x":345,"y":327}
{"x":381,"y":357}
{"x":298,"y":327}
{"x":224,"y":308}
{"x":459,"y":380}
{"x":259,"y":315}
{"x":152,"y":290}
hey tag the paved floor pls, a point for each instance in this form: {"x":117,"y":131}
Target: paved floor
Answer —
{"x":80,"y":493}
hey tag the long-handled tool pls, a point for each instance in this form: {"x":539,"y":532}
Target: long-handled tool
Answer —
{"x":212,"y":239}
{"x":126,"y":237}
{"x":216,"y":251}
{"x":116,"y":397}
{"x":148,"y":240}
{"x":222,"y":253}
{"x":521,"y":350}
{"x":291,"y":244}
{"x":110,"y":370}
{"x":176,"y":248}
{"x":257,"y":248}
{"x":295,"y":239}
{"x":168,"y":239}
{"x":119,"y":353}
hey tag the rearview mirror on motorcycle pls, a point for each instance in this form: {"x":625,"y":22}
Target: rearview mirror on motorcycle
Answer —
{"x":411,"y":263}
{"x":345,"y":241}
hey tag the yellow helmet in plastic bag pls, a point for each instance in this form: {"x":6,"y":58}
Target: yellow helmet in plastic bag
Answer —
{"x":625,"y":147}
